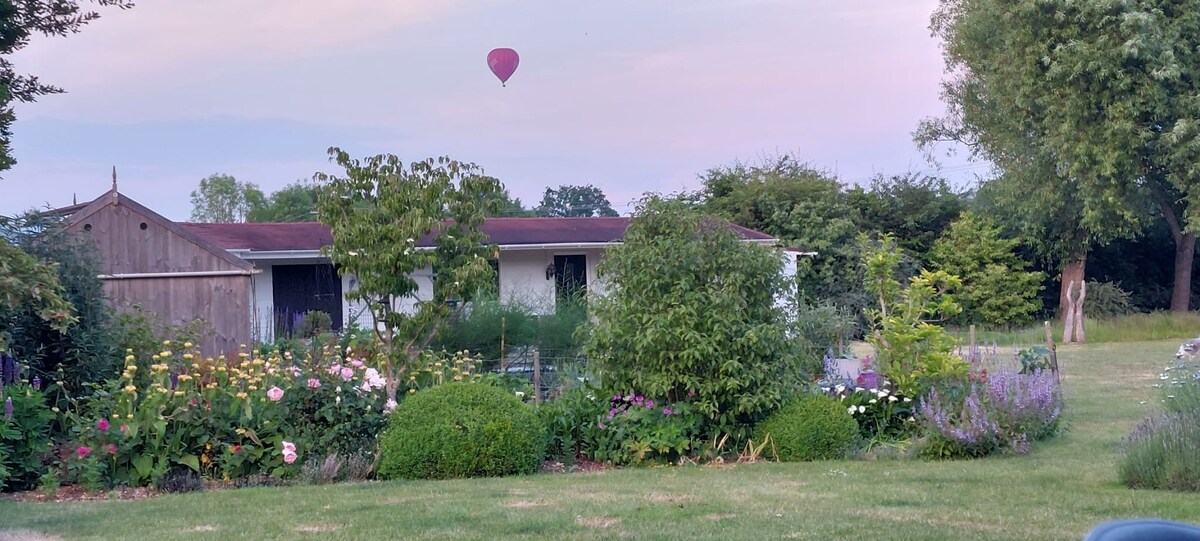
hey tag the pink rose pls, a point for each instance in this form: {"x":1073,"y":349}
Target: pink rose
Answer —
{"x":124,"y":428}
{"x":314,"y":383}
{"x":289,"y":447}
{"x":82,"y":452}
{"x":335,"y":369}
{"x":357,"y":363}
{"x":275,"y":394}
{"x":102,"y":424}
{"x":112,"y":449}
{"x":347,"y":373}
{"x":366,"y":387}
{"x":289,"y":457}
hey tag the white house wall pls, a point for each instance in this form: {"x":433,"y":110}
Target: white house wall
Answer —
{"x":262,"y":304}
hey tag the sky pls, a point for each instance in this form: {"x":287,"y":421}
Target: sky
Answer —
{"x":629,"y":95}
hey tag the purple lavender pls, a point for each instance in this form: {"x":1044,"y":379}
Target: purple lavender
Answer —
{"x":1006,"y":413}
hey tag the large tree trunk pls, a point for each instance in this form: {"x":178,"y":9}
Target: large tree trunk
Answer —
{"x":1185,"y":254}
{"x":1073,"y":271}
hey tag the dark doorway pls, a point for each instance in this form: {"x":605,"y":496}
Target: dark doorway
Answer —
{"x":570,"y":278}
{"x":300,"y":288}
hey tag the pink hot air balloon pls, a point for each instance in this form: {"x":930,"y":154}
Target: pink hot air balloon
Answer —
{"x":503,"y":62}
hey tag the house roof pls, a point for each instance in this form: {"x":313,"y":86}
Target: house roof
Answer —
{"x":112,"y":197}
{"x":502,"y":231}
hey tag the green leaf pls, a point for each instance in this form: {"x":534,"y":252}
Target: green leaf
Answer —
{"x":190,"y":461}
{"x":143,"y":464}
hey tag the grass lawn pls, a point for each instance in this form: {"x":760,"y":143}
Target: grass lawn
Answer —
{"x":1060,"y":491}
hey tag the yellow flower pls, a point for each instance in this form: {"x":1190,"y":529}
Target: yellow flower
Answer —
{"x":165,"y":353}
{"x":187,"y":344}
{"x":258,"y":362}
{"x":221,"y":369}
{"x":129,"y":358}
{"x":242,"y":395}
{"x":204,"y":459}
{"x":252,"y":388}
{"x":178,"y":393}
{"x":184,"y":377}
{"x":130,"y":389}
{"x":241,"y":431}
{"x":243,"y":354}
{"x":187,"y":356}
{"x":166,"y":343}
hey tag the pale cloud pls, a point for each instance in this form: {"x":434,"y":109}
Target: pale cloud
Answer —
{"x":160,"y":42}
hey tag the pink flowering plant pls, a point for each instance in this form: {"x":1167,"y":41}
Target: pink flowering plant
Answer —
{"x":341,"y":398}
{"x":637,"y":429}
{"x":224,"y":418}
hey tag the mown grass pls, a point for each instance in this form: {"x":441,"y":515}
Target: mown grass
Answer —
{"x":1131,"y":328}
{"x":1060,"y":491}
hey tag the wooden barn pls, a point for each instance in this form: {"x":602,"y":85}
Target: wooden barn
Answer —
{"x":149,"y":260}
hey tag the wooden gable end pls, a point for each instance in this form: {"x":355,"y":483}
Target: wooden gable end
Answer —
{"x":133,"y":239}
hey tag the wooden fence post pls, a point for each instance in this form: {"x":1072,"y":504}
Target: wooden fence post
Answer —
{"x":537,"y":377}
{"x":1053,"y":349}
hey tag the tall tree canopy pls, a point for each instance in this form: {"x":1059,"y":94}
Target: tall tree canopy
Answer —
{"x":801,"y":206}
{"x":915,"y":208}
{"x":19,"y":21}
{"x":296,"y":202}
{"x":224,"y":199}
{"x":1099,"y":93}
{"x":571,"y":201}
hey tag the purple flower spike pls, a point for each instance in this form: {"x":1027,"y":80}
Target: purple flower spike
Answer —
{"x":8,"y":408}
{"x":37,"y":383}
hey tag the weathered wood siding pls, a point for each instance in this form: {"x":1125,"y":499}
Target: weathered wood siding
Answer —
{"x":222,"y":302}
{"x":130,"y":242}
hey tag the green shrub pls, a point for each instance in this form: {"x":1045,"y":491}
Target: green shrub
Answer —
{"x":811,"y":428}
{"x":461,"y":430}
{"x":571,"y":422}
{"x":1107,"y":300}
{"x":25,"y":438}
{"x":690,"y":314}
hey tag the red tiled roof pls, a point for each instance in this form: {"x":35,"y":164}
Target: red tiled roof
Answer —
{"x":502,"y":231}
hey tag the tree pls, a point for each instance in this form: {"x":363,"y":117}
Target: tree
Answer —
{"x":296,"y":202}
{"x":377,"y":213}
{"x":28,"y":285}
{"x":802,"y":207}
{"x":996,"y":287}
{"x":20,"y":20}
{"x":1100,"y":93}
{"x":690,"y":313}
{"x":508,"y":206}
{"x":224,"y":199}
{"x":571,"y":201}
{"x":87,"y":351}
{"x":915,"y":208}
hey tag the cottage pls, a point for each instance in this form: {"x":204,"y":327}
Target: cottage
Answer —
{"x":251,"y":280}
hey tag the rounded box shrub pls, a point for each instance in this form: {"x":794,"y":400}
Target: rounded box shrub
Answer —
{"x":811,"y":428}
{"x":461,"y":430}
